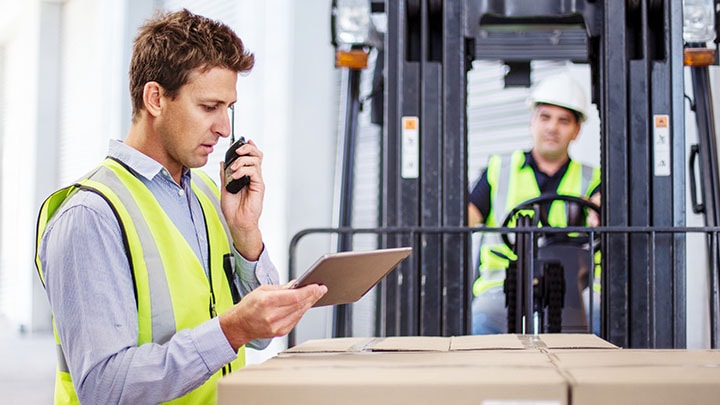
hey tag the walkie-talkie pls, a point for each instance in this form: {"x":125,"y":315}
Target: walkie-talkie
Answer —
{"x":234,"y":185}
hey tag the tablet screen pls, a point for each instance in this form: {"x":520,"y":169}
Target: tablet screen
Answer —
{"x":350,"y":275}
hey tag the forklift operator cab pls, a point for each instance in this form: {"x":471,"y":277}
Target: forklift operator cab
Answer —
{"x":565,"y":266}
{"x":566,"y":271}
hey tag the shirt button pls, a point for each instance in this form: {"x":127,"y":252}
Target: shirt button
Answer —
{"x":181,"y":192}
{"x":165,"y":173}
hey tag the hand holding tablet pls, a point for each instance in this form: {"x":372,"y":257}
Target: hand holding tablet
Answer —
{"x":350,"y":275}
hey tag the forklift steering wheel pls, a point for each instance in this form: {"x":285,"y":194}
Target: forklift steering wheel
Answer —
{"x":540,"y":216}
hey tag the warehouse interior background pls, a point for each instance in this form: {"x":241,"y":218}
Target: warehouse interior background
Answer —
{"x":63,"y":95}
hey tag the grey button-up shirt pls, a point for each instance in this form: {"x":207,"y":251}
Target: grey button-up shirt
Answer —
{"x":90,"y":289}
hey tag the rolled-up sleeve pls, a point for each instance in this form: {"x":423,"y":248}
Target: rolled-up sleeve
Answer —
{"x":251,"y":275}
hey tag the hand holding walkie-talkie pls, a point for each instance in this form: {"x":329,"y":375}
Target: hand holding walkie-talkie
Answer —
{"x":234,"y":185}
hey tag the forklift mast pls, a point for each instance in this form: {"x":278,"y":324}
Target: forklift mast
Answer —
{"x":635,"y":52}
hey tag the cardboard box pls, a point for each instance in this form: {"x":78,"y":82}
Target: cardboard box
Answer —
{"x":641,"y":385}
{"x":633,"y":376}
{"x":549,"y":369}
{"x":383,"y":384}
{"x":499,"y":369}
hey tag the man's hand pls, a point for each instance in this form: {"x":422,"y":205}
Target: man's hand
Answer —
{"x":267,"y":312}
{"x":593,"y":218}
{"x":242,"y":210}
{"x":475,"y":218}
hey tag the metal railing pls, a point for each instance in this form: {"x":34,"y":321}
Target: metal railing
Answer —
{"x":625,"y":233}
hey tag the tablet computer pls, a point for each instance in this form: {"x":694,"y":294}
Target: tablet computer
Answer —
{"x":350,"y":275}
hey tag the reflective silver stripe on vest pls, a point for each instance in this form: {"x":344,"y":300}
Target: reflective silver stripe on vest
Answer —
{"x":502,"y":189}
{"x":499,"y":211}
{"x":210,"y":193}
{"x":587,"y":175}
{"x":61,"y":362}
{"x":163,"y":320}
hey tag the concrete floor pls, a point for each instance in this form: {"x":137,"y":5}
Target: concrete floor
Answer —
{"x":27,"y":366}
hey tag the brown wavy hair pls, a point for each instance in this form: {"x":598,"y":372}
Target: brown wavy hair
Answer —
{"x":170,"y":46}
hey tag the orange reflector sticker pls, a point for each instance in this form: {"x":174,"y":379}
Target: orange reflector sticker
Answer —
{"x":661,"y":121}
{"x":698,"y":57}
{"x":353,"y":59}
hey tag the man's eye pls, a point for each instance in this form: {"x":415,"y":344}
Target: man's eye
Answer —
{"x":210,"y":107}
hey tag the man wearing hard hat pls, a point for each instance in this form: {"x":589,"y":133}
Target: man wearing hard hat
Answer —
{"x":559,"y":107}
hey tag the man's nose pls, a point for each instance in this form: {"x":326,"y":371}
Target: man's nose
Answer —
{"x":222,"y":125}
{"x":552,"y":125}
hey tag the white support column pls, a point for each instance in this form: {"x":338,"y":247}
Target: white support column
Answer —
{"x":288,"y":105}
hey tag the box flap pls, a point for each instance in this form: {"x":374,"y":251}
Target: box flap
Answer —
{"x":410,"y":343}
{"x":331,"y":345}
{"x":635,"y":357}
{"x":571,"y":341}
{"x":533,"y":342}
{"x":487,"y":342}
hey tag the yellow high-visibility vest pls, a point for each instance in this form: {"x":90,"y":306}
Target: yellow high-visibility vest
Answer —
{"x":163,"y":264}
{"x":513,"y":182}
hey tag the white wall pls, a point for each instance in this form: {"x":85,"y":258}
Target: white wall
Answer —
{"x":19,"y":27}
{"x":92,"y":79}
{"x":287,"y":105}
{"x":312,"y":144}
{"x":42,"y":121}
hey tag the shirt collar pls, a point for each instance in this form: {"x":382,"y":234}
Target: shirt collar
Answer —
{"x":139,"y":162}
{"x":530,"y":161}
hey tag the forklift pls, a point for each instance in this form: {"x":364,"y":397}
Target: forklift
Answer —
{"x":638,"y":51}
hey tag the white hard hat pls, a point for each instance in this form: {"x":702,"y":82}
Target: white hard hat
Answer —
{"x":560,"y":90}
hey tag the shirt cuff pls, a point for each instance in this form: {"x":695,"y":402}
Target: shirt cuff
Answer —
{"x":255,"y":273}
{"x":259,"y":344}
{"x":212,"y":345}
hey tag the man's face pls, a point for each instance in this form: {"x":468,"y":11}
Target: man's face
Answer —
{"x":552,"y":129}
{"x":190,"y":125}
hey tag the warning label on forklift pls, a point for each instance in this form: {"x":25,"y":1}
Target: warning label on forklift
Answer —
{"x":410,"y":148}
{"x":661,"y":144}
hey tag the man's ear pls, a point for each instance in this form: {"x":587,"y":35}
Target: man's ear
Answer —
{"x":577,"y":131}
{"x":152,"y":95}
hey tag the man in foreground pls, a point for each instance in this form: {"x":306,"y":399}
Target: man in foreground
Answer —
{"x":143,"y":260}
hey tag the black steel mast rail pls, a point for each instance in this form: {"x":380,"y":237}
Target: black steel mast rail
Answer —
{"x":706,"y":149}
{"x":427,"y":58}
{"x":343,"y":313}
